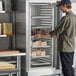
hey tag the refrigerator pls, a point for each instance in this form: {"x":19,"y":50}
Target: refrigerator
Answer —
{"x":41,"y":53}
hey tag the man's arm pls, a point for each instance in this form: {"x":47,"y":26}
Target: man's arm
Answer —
{"x":62,"y":26}
{"x":42,"y":36}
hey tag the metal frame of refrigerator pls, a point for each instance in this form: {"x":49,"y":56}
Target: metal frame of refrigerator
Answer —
{"x":43,"y":16}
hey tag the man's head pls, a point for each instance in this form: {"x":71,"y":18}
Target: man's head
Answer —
{"x":65,"y":5}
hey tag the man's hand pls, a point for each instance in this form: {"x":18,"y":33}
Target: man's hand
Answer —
{"x":38,"y":36}
{"x":42,"y":36}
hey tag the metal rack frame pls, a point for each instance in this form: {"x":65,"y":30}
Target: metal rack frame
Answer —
{"x":29,"y":25}
{"x":17,"y":71}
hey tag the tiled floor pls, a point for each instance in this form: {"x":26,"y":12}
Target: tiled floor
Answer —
{"x":61,"y":74}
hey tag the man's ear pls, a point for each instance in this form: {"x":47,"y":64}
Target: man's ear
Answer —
{"x":64,"y":5}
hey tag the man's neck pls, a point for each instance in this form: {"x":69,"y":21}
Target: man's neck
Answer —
{"x":68,"y":10}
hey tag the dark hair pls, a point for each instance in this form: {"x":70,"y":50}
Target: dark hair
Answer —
{"x":68,"y":6}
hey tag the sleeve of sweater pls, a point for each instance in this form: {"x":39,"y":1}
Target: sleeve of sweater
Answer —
{"x":61,"y":27}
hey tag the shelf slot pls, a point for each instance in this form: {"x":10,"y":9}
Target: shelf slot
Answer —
{"x":47,"y":56}
{"x":45,"y":14}
{"x":40,"y":46}
{"x":40,"y":64}
{"x":41,"y":17}
{"x":46,"y":24}
{"x":33,"y":37}
{"x":41,"y":27}
{"x":46,"y":19}
{"x":46,"y":9}
{"x":36,"y":4}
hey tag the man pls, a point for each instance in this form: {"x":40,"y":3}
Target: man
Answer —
{"x":65,"y":32}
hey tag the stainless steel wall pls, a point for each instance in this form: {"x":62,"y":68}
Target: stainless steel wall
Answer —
{"x":20,"y":32}
{"x":20,"y":24}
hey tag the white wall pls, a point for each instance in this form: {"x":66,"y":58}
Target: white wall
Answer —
{"x":74,"y":10}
